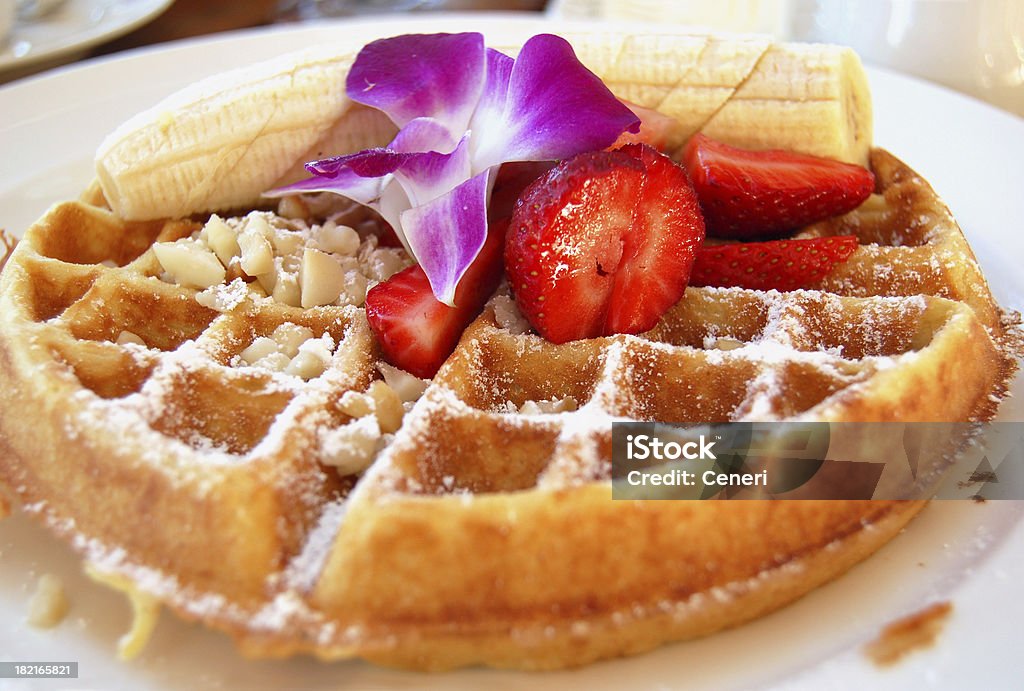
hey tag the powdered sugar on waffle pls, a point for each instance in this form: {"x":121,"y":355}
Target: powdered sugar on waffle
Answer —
{"x":131,"y":416}
{"x":128,"y":417}
{"x":788,"y":336}
{"x":284,"y":611}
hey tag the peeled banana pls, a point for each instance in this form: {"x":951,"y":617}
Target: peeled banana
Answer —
{"x":220,"y":143}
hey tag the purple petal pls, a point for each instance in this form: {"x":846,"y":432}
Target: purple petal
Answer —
{"x":417,"y":75}
{"x":492,"y":99}
{"x":343,"y":181}
{"x":368,"y":163}
{"x":420,"y":135}
{"x":425,"y":134}
{"x":392,"y":204}
{"x":447,"y":233}
{"x":428,"y":175}
{"x":555,"y":108}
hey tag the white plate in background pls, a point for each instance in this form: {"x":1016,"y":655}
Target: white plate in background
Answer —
{"x":72,"y":28}
{"x":970,"y":554}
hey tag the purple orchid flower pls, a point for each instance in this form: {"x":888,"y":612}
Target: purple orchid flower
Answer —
{"x":463,"y":110}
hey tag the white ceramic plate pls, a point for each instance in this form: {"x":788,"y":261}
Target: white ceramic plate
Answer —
{"x":72,"y":28}
{"x":970,"y":554}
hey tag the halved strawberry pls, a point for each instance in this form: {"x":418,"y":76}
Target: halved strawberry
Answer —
{"x":778,"y":264}
{"x":603,"y":243}
{"x":655,"y":128}
{"x":756,"y":194}
{"x":416,"y":332}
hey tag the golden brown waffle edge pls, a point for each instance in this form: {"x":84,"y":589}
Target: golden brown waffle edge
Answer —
{"x":155,"y":462}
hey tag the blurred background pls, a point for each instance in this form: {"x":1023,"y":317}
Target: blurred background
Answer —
{"x":972,"y":46}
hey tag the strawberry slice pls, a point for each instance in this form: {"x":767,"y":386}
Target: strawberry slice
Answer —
{"x":603,"y":243}
{"x":655,"y":128}
{"x":778,"y":264}
{"x":756,"y":194}
{"x":416,"y":332}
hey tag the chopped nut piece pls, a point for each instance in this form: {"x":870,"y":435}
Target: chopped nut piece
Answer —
{"x":286,"y":289}
{"x":290,"y":263}
{"x":190,"y":263}
{"x":257,"y":254}
{"x":49,"y":604}
{"x":322,"y":278}
{"x":225,"y":298}
{"x":126,"y":337}
{"x":292,"y":207}
{"x":322,"y":347}
{"x":290,"y":336}
{"x":385,"y":262}
{"x":565,"y":405}
{"x":355,"y":288}
{"x":221,"y":239}
{"x":408,"y":387}
{"x":355,"y":404}
{"x":530,"y":408}
{"x":268,"y":281}
{"x":257,"y":223}
{"x":306,"y":365}
{"x":387,"y":406}
{"x":258,"y":349}
{"x":380,"y":400}
{"x":338,"y":239}
{"x":351,"y":448}
{"x":286,"y":242}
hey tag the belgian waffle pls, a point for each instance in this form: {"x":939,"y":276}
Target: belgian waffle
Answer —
{"x":482,"y":532}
